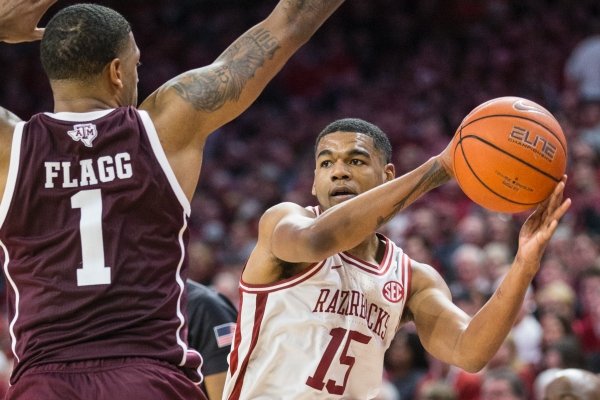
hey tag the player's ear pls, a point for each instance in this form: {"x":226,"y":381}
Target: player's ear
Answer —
{"x":390,"y":172}
{"x":115,"y":73}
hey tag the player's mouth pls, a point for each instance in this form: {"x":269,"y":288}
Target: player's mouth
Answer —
{"x":342,"y":193}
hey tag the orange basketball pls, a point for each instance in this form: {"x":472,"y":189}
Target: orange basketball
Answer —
{"x":508,"y":154}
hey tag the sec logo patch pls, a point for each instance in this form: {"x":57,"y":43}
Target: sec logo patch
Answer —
{"x":393,"y":291}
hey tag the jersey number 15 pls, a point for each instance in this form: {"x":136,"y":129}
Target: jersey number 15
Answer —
{"x":317,"y":380}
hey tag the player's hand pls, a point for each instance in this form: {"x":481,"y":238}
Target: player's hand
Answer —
{"x":19,"y":19}
{"x":540,"y":226}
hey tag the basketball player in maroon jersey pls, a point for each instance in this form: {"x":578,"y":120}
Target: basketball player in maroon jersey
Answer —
{"x":322,"y":293}
{"x":96,"y":198}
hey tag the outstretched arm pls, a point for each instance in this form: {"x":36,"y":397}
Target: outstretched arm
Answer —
{"x":340,"y":228}
{"x":189,"y":107}
{"x":346,"y":225}
{"x":452,"y":336}
{"x":19,"y":19}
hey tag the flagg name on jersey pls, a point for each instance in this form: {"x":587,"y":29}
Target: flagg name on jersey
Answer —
{"x":91,"y":171}
{"x":354,"y":303}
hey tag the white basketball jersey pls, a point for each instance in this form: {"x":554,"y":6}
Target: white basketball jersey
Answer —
{"x":321,"y":334}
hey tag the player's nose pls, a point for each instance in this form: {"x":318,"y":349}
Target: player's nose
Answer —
{"x":340,"y":170}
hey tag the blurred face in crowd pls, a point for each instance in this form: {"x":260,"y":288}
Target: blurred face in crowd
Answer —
{"x":497,"y":389}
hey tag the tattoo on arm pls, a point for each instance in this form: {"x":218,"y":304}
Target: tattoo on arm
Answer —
{"x":430,"y":180}
{"x":208,"y":89}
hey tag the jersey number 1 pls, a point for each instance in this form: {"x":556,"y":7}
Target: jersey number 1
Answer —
{"x":92,"y":271}
{"x":317,"y":381}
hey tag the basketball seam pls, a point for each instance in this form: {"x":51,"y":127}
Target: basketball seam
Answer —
{"x":486,"y":186}
{"x":459,"y":144}
{"x":508,"y":154}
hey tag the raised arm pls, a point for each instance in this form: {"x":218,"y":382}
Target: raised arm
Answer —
{"x":289,"y":233}
{"x":19,"y":19}
{"x":194,"y":104}
{"x":346,"y":225}
{"x":451,"y":335}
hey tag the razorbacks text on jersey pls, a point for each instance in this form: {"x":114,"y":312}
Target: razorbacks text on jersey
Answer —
{"x":93,"y":229}
{"x":321,"y":334}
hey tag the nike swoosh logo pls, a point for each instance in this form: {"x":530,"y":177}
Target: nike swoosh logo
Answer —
{"x":521,"y":106}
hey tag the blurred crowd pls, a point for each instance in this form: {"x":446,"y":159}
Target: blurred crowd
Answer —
{"x":415,"y":69}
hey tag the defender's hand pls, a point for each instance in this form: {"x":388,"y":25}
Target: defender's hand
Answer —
{"x":19,"y":19}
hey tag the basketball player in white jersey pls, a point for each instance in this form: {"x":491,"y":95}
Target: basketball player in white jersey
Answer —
{"x":323,"y":294}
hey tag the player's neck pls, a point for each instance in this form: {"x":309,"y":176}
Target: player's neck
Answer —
{"x":369,"y":250}
{"x":72,"y":96}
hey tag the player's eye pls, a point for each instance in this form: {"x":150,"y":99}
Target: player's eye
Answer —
{"x":325,"y":164}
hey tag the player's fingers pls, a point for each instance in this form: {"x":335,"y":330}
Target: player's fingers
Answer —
{"x":555,"y":199}
{"x":38,"y":33}
{"x":561,"y":210}
{"x":558,"y":196}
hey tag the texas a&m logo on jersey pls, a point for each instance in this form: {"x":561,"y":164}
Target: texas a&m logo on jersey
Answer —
{"x":84,"y":132}
{"x":393,"y":291}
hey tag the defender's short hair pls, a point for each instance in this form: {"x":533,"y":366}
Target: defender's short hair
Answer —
{"x":357,"y":125}
{"x":81,"y":39}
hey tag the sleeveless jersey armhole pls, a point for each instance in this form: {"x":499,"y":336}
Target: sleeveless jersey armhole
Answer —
{"x":13,"y":169}
{"x":164,"y":162}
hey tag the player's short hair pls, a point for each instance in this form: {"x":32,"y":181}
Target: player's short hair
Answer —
{"x":81,"y":39}
{"x":357,"y":125}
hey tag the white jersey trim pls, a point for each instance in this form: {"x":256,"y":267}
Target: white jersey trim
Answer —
{"x":178,"y":336}
{"x":159,"y":152}
{"x":9,"y":188}
{"x":79,"y":117}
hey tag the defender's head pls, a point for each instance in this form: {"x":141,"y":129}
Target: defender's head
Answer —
{"x":88,"y":44}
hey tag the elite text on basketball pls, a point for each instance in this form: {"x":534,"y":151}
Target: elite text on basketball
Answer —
{"x":537,"y":143}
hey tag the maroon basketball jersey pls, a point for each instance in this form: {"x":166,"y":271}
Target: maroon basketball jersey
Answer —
{"x":93,"y":229}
